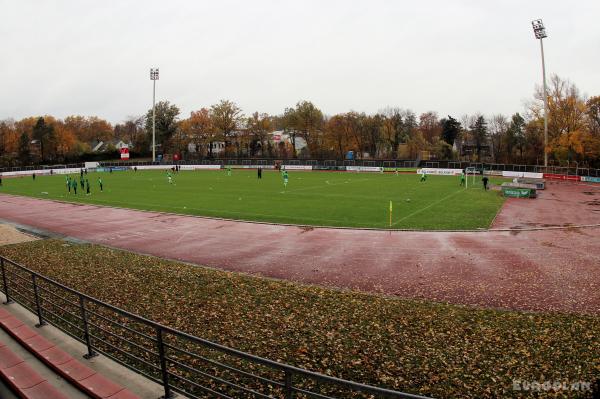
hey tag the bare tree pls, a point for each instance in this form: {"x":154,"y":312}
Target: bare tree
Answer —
{"x":259,"y":126}
{"x":391,"y":129}
{"x":497,"y":128}
{"x":479,"y":134}
{"x":430,"y":127}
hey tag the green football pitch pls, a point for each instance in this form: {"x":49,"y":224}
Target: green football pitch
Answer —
{"x":311,"y":198}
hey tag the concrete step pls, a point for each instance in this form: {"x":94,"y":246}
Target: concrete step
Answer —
{"x":60,"y":360}
{"x":23,"y":371}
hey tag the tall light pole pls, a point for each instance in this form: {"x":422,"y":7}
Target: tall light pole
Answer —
{"x":540,"y":33}
{"x":153,"y":78}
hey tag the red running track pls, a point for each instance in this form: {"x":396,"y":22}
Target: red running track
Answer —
{"x":511,"y":266}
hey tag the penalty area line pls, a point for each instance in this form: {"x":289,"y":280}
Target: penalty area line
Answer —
{"x":327,"y":184}
{"x":426,"y":207}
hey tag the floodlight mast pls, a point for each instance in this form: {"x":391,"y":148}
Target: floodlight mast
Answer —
{"x":153,"y":78}
{"x":540,"y":33}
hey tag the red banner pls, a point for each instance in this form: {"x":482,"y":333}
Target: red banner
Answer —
{"x":553,"y":176}
{"x":124,"y":153}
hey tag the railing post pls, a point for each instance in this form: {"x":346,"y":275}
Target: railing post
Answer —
{"x":38,"y":308}
{"x":5,"y":283}
{"x":289,"y":393}
{"x":163,"y":363}
{"x":86,"y":329}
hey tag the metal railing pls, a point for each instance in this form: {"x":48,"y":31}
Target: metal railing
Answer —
{"x":272,"y":161}
{"x":572,"y":170}
{"x":180,"y":362}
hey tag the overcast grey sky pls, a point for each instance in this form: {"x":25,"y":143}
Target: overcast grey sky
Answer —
{"x":454,"y":57}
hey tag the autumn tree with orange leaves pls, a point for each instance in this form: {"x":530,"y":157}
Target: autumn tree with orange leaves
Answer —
{"x":573,"y":127}
{"x":199,"y":130}
{"x":571,"y":134}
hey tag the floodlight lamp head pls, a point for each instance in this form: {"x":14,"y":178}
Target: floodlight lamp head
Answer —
{"x":153,"y":73}
{"x":538,"y":29}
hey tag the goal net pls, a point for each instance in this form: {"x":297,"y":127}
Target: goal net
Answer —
{"x":472,"y":176}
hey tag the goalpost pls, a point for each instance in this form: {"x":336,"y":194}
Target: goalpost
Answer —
{"x":471,"y":170}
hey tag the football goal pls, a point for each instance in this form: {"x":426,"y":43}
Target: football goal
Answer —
{"x":475,"y":176}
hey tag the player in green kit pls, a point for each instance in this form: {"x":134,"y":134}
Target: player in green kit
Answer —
{"x":69,"y":184}
{"x":100,"y":183}
{"x":423,"y":176}
{"x":74,"y":185}
{"x":285,"y":178}
{"x":169,"y":178}
{"x":229,"y":171}
{"x":462,"y":178}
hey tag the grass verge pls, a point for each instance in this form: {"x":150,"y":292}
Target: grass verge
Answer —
{"x":428,"y":348}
